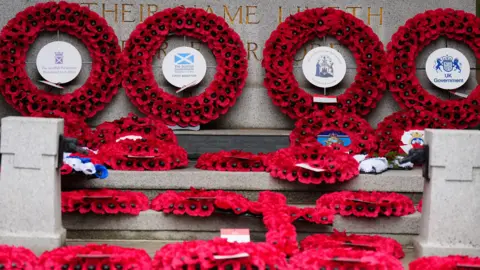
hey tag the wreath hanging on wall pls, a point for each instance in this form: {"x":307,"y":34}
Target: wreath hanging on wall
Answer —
{"x":369,"y":86}
{"x":222,"y":93}
{"x":410,"y":40}
{"x":80,"y":22}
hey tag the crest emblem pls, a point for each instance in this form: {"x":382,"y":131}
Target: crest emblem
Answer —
{"x":448,"y":64}
{"x":325,"y":67}
{"x":417,"y":138}
{"x":59,"y":58}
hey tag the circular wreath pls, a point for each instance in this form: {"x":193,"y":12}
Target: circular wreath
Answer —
{"x":104,"y":202}
{"x":344,"y":259}
{"x":12,"y":257}
{"x":80,"y":22}
{"x":410,"y":40}
{"x":358,"y":242}
{"x":367,"y":204}
{"x":232,"y":161}
{"x":337,"y":166}
{"x":132,"y":125}
{"x":450,"y":262}
{"x":143,"y":155}
{"x":361,"y":97}
{"x":222,"y":93}
{"x":361,"y":134}
{"x":391,"y":129}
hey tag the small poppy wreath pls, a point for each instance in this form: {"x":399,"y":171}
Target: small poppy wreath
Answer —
{"x":17,"y":258}
{"x":450,"y":262}
{"x":232,"y":161}
{"x":201,"y":203}
{"x":390,"y":131}
{"x":143,"y":155}
{"x":132,"y":125}
{"x":410,"y":40}
{"x":367,"y":204}
{"x":202,"y":254}
{"x":361,"y":134}
{"x":226,"y":45}
{"x":80,"y":22}
{"x":104,"y":202}
{"x":353,"y":241}
{"x":94,"y":256}
{"x":344,"y":259}
{"x":336,"y":165}
{"x":369,"y":86}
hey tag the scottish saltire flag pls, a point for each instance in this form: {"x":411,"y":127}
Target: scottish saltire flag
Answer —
{"x":184,"y":59}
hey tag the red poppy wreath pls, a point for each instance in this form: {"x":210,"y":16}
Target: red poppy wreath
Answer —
{"x":361,"y":97}
{"x":226,"y":45}
{"x":17,"y":258}
{"x":80,"y":22}
{"x":367,"y":204}
{"x":359,"y":131}
{"x":446,"y":263}
{"x":232,"y":161}
{"x":390,"y":131}
{"x":410,"y":40}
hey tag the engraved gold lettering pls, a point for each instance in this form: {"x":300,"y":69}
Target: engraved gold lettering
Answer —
{"x":280,"y":15}
{"x":89,"y":5}
{"x":151,"y":9}
{"x":209,"y":9}
{"x":370,"y":15}
{"x":124,"y":10}
{"x":251,"y":12}
{"x":114,"y":11}
{"x":252,"y":51}
{"x":239,"y":13}
{"x":354,"y":10}
{"x":141,"y":12}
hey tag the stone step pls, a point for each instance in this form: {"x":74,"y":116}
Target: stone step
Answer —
{"x":214,"y":140}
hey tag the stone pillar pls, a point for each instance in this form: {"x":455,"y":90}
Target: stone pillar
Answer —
{"x":451,"y":203}
{"x":30,"y":194}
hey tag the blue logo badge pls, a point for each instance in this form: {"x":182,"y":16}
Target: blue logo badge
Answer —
{"x":330,"y":137}
{"x":324,"y":67}
{"x":184,"y":59}
{"x":448,"y":64}
{"x":59,"y":58}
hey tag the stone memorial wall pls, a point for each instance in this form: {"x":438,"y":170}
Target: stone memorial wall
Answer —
{"x":254,"y":20}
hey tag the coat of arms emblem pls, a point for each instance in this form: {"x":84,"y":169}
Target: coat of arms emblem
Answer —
{"x":324,"y":67}
{"x":59,"y":58}
{"x":448,"y":64}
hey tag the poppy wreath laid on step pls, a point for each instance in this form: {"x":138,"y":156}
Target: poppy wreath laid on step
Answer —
{"x":369,"y":86}
{"x":361,"y":134}
{"x":143,"y":155}
{"x":367,"y":204}
{"x":73,"y":126}
{"x":410,"y":40}
{"x":80,"y":22}
{"x":357,"y":242}
{"x":390,"y":131}
{"x":132,"y":125}
{"x":17,"y":258}
{"x":95,"y":257}
{"x":344,"y":259}
{"x":338,"y":166}
{"x":222,"y":93}
{"x":202,"y":203}
{"x":104,"y":202}
{"x":219,"y":254}
{"x":445,"y":263}
{"x":232,"y":161}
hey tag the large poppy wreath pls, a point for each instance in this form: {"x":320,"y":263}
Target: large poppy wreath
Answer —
{"x":100,"y":39}
{"x":360,"y":133}
{"x":361,"y":97}
{"x":410,"y":40}
{"x":218,"y":97}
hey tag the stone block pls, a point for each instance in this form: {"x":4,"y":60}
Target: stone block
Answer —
{"x":450,"y":219}
{"x":30,"y":187}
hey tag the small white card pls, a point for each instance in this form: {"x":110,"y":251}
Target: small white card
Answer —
{"x":458,"y":94}
{"x":229,"y":257}
{"x":236,"y":235}
{"x":51,"y":84}
{"x":310,"y":168}
{"x":324,"y":99}
{"x":195,"y":128}
{"x":187,"y":86}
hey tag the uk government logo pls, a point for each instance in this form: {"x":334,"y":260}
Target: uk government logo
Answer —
{"x":324,"y":67}
{"x":184,"y":66}
{"x":448,"y":69}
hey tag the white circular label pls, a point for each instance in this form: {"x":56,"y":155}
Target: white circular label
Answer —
{"x":184,"y":67}
{"x":412,"y":139}
{"x":59,"y":62}
{"x":324,"y":67}
{"x":447,"y":68}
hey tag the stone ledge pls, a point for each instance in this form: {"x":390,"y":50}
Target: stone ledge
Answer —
{"x":394,"y":181}
{"x":157,"y":221}
{"x":235,"y":132}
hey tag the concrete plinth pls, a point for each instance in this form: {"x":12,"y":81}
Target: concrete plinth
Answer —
{"x":450,"y":214}
{"x":30,"y":193}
